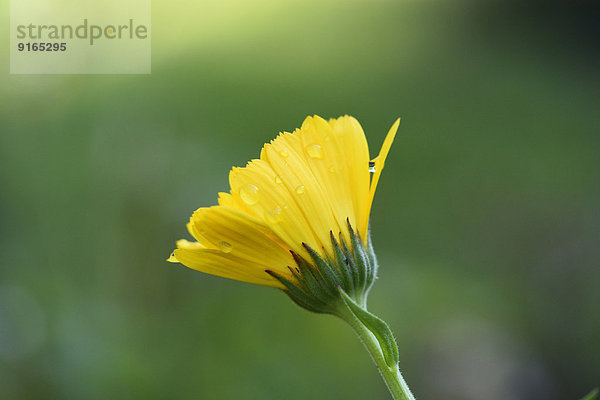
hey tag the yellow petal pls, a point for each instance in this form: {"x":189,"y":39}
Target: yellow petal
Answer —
{"x":286,"y":157}
{"x":232,"y":236}
{"x":183,"y":244}
{"x":353,"y":146}
{"x":226,"y":265}
{"x":240,"y":234}
{"x":380,"y":162}
{"x":272,"y":203}
{"x":328,"y":163}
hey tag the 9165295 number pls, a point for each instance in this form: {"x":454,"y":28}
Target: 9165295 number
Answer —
{"x":42,"y":46}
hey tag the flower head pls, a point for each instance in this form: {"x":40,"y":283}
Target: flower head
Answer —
{"x":297,"y":218}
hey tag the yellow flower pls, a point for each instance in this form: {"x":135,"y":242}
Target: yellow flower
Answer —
{"x":307,"y":188}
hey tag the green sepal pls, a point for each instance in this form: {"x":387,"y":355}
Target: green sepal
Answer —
{"x":317,"y":278}
{"x":328,"y":272}
{"x":340,"y":259}
{"x":299,"y":296}
{"x":362,"y":263}
{"x":372,"y":259}
{"x":377,"y":326}
{"x":351,"y":263}
{"x":310,"y":276}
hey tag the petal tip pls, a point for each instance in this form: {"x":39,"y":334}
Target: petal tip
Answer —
{"x":172,"y":258}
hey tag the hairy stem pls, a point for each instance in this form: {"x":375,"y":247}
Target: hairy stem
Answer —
{"x":389,"y":371}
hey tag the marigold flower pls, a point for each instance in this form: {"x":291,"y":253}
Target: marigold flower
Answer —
{"x":298,"y":219}
{"x":306,"y":185}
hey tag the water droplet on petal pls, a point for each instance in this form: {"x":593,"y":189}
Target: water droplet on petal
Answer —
{"x":300,"y":189}
{"x":332,"y":168}
{"x":278,"y":179}
{"x":314,"y":151}
{"x":284,"y":153}
{"x":274,"y":216}
{"x":225,"y":247}
{"x":249,"y":194}
{"x":372,"y":166}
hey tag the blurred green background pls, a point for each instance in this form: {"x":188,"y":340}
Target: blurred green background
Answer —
{"x":486,"y":221}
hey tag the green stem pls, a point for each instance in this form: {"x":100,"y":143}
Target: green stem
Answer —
{"x":391,"y":373}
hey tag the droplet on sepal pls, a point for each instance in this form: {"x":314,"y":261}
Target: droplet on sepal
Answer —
{"x":372,"y":167}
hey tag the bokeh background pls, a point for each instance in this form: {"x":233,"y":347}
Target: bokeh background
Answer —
{"x":486,"y":221}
